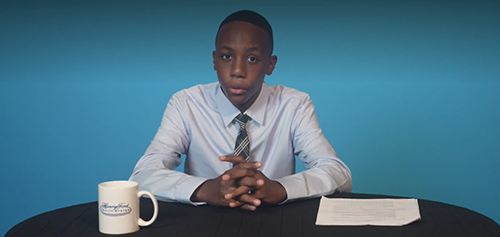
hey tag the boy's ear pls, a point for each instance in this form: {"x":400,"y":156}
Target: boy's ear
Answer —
{"x":272,"y":64}
{"x":213,"y":58}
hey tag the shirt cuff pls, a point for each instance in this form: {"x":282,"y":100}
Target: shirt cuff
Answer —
{"x":293,"y":189}
{"x":186,"y":188}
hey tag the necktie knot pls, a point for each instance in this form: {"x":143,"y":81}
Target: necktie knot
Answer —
{"x":242,"y":119}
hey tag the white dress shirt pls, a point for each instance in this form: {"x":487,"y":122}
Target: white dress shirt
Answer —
{"x":199,"y":122}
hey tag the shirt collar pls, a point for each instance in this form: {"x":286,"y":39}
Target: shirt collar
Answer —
{"x":257,"y":110}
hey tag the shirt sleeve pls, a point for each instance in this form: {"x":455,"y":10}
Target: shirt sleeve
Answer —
{"x":155,"y":171}
{"x":325,"y":173}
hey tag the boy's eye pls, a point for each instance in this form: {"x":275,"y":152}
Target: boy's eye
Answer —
{"x":253,"y":59}
{"x":226,"y":56}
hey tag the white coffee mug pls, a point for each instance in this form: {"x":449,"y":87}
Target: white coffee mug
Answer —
{"x":119,"y":207}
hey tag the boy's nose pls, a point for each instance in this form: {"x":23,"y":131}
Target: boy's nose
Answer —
{"x":238,"y":70}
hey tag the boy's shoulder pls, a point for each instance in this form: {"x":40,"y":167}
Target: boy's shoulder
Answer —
{"x":202,"y":95}
{"x":200,"y":90}
{"x":283,"y":92}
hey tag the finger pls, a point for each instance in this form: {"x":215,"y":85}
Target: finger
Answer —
{"x":251,"y":182}
{"x":260,"y":178}
{"x":235,"y":203}
{"x":249,"y":165}
{"x":237,"y":173}
{"x":233,"y":159}
{"x":236,"y":160}
{"x":237,"y":192}
{"x":248,"y":207}
{"x":245,"y":206}
{"x":258,"y":191}
{"x":249,"y":199}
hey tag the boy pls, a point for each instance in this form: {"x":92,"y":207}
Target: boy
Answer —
{"x":239,"y":135}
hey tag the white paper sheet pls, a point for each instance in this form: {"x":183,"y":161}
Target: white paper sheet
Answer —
{"x":356,"y":212}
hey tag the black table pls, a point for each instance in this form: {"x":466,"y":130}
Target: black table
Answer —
{"x":292,"y":219}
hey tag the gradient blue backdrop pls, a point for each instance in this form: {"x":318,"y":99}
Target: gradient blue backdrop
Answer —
{"x":408,"y":92}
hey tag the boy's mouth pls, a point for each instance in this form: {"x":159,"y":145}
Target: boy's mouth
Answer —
{"x":236,"y":91}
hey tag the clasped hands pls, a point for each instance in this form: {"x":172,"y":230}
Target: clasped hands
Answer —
{"x":243,"y":186}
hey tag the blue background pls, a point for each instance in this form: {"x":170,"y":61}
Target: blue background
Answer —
{"x":408,"y":92}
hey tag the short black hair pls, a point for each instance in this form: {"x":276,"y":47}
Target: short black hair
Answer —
{"x":252,"y":18}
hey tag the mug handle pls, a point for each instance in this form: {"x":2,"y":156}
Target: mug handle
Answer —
{"x":155,"y":205}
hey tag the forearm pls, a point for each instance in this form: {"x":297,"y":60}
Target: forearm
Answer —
{"x":317,"y":181}
{"x":165,"y":183}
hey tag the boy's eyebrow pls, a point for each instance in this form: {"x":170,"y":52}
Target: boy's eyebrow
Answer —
{"x":253,"y":49}
{"x":249,"y":49}
{"x":227,"y":48}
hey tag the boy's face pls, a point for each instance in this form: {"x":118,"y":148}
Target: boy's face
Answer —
{"x":242,"y":58}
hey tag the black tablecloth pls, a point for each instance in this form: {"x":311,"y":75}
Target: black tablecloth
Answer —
{"x":291,"y":219}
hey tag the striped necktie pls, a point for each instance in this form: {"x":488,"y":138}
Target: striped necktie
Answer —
{"x":242,"y":147}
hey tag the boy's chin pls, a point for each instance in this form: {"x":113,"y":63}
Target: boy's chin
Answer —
{"x":238,"y":102}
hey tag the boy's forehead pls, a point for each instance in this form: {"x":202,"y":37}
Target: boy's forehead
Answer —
{"x":237,"y":27}
{"x":251,"y":32}
{"x":244,"y":23}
